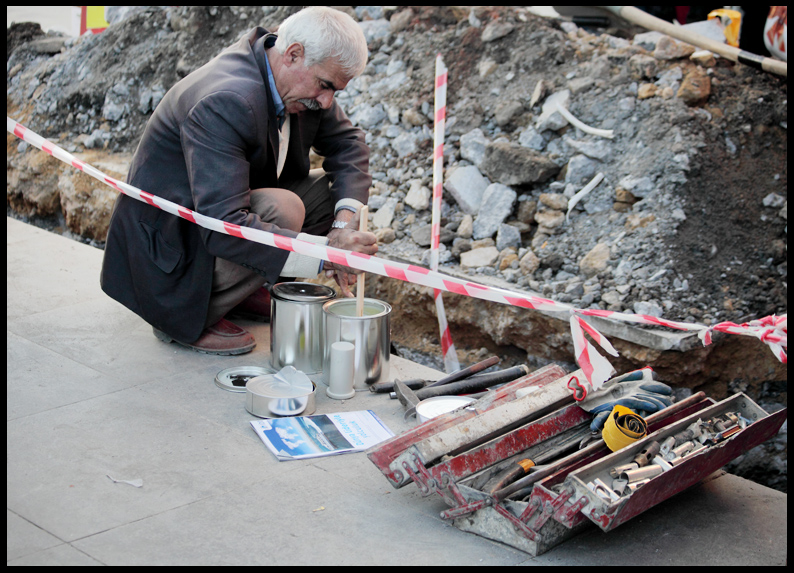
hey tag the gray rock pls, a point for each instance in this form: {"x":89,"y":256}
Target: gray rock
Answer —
{"x":581,"y":169}
{"x":421,"y":235}
{"x":496,"y":29}
{"x":383,"y":217}
{"x":550,"y":219}
{"x":595,"y":261}
{"x":384,"y":87}
{"x":499,"y":200}
{"x":507,"y":236}
{"x":650,"y":308}
{"x":467,"y":185}
{"x":47,"y":46}
{"x":640,"y":187}
{"x":368,"y":116}
{"x":579,"y":85}
{"x":394,"y":66}
{"x":532,"y":139}
{"x":482,"y":257}
{"x":97,"y":139}
{"x":556,"y":201}
{"x":466,"y":227}
{"x":774,"y":200}
{"x":375,"y":29}
{"x":611,"y":298}
{"x":529,"y":263}
{"x":113,"y":110}
{"x":373,"y":12}
{"x":401,"y":20}
{"x":472,"y":146}
{"x":418,"y":195}
{"x":506,"y":112}
{"x":375,"y":202}
{"x":511,"y":164}
{"x":647,"y":40}
{"x":404,"y":144}
{"x":599,"y":149}
{"x":550,"y":119}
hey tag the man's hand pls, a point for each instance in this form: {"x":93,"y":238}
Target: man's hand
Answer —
{"x":349,"y":239}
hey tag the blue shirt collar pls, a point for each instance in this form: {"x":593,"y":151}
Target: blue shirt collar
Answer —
{"x":280,"y":107}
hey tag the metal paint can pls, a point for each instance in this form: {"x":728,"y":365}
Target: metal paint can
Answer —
{"x":296,"y":325}
{"x":370,"y":334}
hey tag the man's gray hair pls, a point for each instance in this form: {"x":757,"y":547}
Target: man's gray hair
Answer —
{"x":325,"y":33}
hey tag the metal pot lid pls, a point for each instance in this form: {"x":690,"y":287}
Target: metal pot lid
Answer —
{"x":286,"y":383}
{"x":432,"y":407}
{"x":302,"y":292}
{"x":234,"y":379}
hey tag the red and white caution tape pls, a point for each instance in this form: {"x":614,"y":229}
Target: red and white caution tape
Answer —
{"x":772,"y":330}
{"x":448,"y":351}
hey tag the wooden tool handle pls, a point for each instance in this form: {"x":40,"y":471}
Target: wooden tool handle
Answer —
{"x":362,"y":226}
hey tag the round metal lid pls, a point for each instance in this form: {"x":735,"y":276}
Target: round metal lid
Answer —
{"x":272,"y":386}
{"x":302,"y":292}
{"x":234,"y":379}
{"x":432,"y":407}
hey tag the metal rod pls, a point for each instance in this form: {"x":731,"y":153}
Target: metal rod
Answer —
{"x":474,"y":383}
{"x":466,"y":372}
{"x":362,"y":226}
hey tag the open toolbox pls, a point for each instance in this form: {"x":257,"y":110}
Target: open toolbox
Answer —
{"x":461,"y":456}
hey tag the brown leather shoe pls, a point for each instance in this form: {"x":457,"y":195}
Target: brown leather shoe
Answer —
{"x":255,"y":307}
{"x":224,"y":338}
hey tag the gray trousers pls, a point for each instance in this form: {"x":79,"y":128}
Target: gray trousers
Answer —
{"x":307,"y":207}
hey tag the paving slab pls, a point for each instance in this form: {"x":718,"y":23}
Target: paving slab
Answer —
{"x":91,"y":393}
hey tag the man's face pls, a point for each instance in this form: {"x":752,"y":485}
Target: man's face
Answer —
{"x":311,"y":88}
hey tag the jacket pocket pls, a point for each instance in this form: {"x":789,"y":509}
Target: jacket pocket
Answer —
{"x":162,"y":254}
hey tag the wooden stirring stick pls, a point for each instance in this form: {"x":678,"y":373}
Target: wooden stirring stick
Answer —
{"x":362,"y":226}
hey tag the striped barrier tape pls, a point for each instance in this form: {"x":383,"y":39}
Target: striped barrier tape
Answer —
{"x":448,"y":351}
{"x":771,"y":330}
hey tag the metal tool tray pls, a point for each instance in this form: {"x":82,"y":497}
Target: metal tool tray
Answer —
{"x":608,"y":515}
{"x":449,"y":456}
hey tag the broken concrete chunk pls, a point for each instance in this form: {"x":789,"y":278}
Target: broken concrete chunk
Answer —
{"x":418,"y":195}
{"x":696,"y":88}
{"x":483,"y":257}
{"x":467,"y":185}
{"x":508,"y":236}
{"x":497,"y":201}
{"x":496,"y":29}
{"x":595,"y":261}
{"x":669,"y":49}
{"x":472,"y":146}
{"x":512,"y":164}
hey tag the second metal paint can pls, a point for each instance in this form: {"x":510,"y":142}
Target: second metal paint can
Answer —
{"x":296,"y":325}
{"x":370,"y":334}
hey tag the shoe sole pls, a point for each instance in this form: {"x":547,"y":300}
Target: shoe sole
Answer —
{"x":160,"y":335}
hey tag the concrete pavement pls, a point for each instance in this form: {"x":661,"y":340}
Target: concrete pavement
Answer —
{"x":91,"y":393}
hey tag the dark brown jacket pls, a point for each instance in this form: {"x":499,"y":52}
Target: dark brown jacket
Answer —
{"x":211,"y":139}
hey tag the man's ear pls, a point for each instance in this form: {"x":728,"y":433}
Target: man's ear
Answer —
{"x":294,"y":54}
